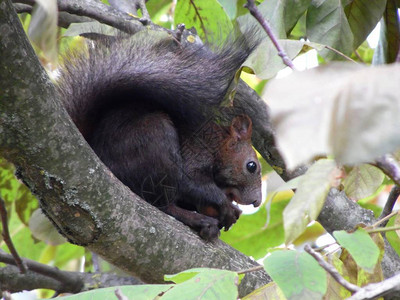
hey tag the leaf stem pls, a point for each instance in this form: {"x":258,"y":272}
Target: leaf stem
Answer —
{"x":385,"y":219}
{"x":383,"y":229}
{"x":254,"y":269}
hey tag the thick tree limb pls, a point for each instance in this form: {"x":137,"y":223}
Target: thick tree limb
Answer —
{"x":97,"y":11}
{"x":78,"y":193}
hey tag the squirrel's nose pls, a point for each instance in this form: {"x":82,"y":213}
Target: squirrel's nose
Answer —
{"x":257,"y":203}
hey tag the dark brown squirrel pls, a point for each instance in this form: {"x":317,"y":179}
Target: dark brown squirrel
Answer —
{"x":151,"y":110}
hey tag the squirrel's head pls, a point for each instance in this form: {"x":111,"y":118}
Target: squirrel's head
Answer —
{"x":238,"y":171}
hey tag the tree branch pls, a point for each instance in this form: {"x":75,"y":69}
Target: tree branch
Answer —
{"x":64,"y":19}
{"x":7,"y":239}
{"x":98,"y":11}
{"x":13,"y":281}
{"x":390,"y":167}
{"x":72,"y":283}
{"x":391,"y":201}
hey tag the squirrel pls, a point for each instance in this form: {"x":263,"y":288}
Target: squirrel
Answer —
{"x":151,"y":110}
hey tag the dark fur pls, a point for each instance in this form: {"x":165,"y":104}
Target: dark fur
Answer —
{"x":143,"y":106}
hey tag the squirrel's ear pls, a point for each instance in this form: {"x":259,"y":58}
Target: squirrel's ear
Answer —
{"x":241,"y":127}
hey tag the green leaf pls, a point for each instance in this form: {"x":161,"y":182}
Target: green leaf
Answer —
{"x":299,"y":30}
{"x":230,"y":6}
{"x":309,"y":198}
{"x":252,"y":236}
{"x":364,"y":53}
{"x":363,"y":15}
{"x":208,"y":17}
{"x":137,"y":292}
{"x":294,"y":9}
{"x":12,"y":190}
{"x":362,"y":181}
{"x":297,"y":274}
{"x":361,"y":247}
{"x":327,"y":24}
{"x":8,"y":183}
{"x":265,"y":62}
{"x":315,"y":110}
{"x":158,"y":10}
{"x":389,"y":36}
{"x":397,"y":223}
{"x":392,"y":237}
{"x":25,"y":204}
{"x":376,"y":275}
{"x":67,"y":252}
{"x":207,"y":284}
{"x":183,"y":276}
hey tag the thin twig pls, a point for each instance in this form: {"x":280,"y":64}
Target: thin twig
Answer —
{"x":63,"y":277}
{"x":318,"y":249}
{"x":331,"y":270}
{"x":254,"y":269}
{"x":359,"y":56}
{"x":95,"y":262}
{"x":250,"y":5}
{"x":11,"y":280}
{"x":385,"y":219}
{"x":7,"y":238}
{"x":120,"y":295}
{"x":390,"y":167}
{"x":341,"y":54}
{"x":391,"y":201}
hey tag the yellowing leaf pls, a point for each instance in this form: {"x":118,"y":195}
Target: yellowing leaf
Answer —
{"x":361,"y":247}
{"x":362,"y":181}
{"x":309,"y":198}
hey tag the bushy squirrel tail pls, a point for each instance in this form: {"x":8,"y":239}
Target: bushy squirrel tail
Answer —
{"x":160,"y":74}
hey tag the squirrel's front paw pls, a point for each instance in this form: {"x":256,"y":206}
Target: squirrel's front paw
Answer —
{"x":209,"y":229}
{"x":229,"y":213}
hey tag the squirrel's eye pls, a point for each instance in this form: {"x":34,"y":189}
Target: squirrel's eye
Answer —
{"x":251,"y":166}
